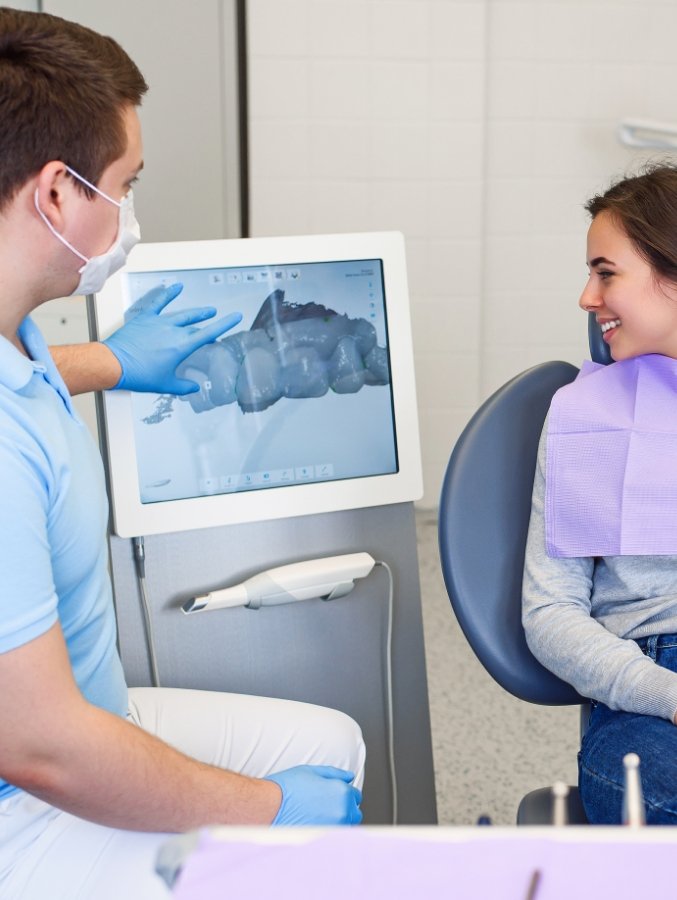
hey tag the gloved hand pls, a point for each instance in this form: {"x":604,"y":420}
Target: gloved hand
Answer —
{"x":317,"y":795}
{"x":149,"y":346}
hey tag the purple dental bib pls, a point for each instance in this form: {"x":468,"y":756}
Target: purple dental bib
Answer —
{"x":611,"y":469}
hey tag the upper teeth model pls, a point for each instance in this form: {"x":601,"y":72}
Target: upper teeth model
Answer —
{"x":292,"y":350}
{"x":605,"y":326}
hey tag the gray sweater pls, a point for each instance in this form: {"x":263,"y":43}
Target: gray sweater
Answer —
{"x":580,"y":614}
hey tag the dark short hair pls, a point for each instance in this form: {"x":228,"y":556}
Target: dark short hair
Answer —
{"x":63,"y":92}
{"x":645,"y":207}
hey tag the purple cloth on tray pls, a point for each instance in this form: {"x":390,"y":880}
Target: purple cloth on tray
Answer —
{"x":611,"y":469}
{"x":356,"y":865}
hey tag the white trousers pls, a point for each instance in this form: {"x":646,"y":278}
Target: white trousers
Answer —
{"x":47,"y":854}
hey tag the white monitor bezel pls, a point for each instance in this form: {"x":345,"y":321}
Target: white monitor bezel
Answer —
{"x":131,"y":518}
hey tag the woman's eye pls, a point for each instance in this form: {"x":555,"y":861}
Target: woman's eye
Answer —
{"x":604,"y":274}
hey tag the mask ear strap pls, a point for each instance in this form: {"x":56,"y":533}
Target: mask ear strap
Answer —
{"x":56,"y":234}
{"x":91,"y":186}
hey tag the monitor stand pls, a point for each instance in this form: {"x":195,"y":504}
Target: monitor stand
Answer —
{"x":331,"y":653}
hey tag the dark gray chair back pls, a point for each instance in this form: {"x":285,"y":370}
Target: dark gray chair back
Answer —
{"x":483,"y":520}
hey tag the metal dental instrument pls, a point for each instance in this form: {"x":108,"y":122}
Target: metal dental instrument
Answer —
{"x":633,"y":798}
{"x":560,"y":792}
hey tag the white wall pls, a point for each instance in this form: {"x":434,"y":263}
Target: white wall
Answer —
{"x":189,"y":189}
{"x":476,"y":127}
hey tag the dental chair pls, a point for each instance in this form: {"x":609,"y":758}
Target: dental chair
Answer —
{"x":484,"y":512}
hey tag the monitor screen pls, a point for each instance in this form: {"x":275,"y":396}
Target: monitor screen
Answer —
{"x":303,"y":407}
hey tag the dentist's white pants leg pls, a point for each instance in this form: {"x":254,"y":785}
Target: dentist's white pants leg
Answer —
{"x":46,"y":854}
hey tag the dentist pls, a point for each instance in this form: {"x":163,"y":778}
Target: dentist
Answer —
{"x":93,"y":776}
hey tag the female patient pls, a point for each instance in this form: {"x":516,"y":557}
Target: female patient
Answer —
{"x":600,"y":581}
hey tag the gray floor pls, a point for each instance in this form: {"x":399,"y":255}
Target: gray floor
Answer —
{"x":489,"y":747}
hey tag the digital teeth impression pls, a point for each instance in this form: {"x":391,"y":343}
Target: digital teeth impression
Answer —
{"x":607,"y":326}
{"x":292,"y":350}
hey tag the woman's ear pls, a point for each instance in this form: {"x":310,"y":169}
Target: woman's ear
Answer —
{"x":54,"y":192}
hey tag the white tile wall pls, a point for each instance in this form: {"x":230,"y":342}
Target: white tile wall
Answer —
{"x":476,"y":127}
{"x":561,"y":75}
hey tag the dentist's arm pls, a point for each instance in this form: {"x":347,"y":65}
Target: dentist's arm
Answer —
{"x":143,"y":354}
{"x":96,"y":765}
{"x":87,"y":367}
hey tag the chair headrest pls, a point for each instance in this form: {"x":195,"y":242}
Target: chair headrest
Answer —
{"x":599,"y":350}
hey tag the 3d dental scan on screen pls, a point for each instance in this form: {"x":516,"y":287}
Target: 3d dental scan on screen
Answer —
{"x":307,"y":406}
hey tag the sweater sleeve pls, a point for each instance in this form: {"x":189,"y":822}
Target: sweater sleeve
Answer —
{"x":563,"y":636}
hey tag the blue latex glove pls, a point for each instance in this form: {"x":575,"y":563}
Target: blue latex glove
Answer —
{"x":317,"y":795}
{"x":149,"y":346}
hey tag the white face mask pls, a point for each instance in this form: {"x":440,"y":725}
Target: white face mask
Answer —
{"x":97,"y":269}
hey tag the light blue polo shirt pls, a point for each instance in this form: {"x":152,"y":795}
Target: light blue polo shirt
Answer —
{"x":53,"y":517}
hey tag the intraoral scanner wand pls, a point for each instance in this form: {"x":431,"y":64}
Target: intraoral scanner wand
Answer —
{"x":328,"y":578}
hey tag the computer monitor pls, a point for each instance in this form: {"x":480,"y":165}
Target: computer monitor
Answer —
{"x":307,"y":406}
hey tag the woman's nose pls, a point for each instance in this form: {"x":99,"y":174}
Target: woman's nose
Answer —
{"x":589,"y":299}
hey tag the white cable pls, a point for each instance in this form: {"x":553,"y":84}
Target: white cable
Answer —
{"x":389,"y":692}
{"x":140,"y":562}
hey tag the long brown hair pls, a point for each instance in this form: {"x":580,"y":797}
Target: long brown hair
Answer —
{"x":63,"y":89}
{"x":645,"y":207}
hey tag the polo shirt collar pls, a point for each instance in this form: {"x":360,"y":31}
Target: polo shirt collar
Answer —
{"x":16,"y":370}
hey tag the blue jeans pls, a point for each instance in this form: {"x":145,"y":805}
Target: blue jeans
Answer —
{"x":611,"y":734}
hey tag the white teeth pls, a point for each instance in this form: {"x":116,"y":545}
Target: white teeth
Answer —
{"x":607,"y":326}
